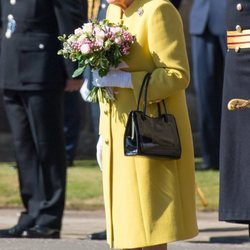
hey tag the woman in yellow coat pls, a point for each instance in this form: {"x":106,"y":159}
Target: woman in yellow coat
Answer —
{"x":149,"y":201}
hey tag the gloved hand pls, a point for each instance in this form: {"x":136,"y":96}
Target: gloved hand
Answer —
{"x":85,"y":90}
{"x":99,"y":152}
{"x":114,"y":78}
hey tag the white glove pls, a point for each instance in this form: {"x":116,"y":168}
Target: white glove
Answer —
{"x":84,"y":91}
{"x":114,"y":78}
{"x":99,"y":152}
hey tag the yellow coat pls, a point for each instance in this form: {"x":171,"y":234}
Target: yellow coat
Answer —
{"x":149,"y":201}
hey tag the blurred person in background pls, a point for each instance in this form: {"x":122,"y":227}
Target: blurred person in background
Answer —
{"x":208,"y":37}
{"x":33,"y":79}
{"x":72,"y":113}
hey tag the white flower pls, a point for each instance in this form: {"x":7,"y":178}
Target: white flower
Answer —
{"x":99,"y":42}
{"x":88,"y":28}
{"x":78,"y":31}
{"x":99,"y":32}
{"x":71,"y":39}
{"x":82,"y":38}
{"x":115,"y":30}
{"x":99,"y":36}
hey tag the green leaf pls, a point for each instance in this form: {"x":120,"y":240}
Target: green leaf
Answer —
{"x":78,"y":72}
{"x":103,"y":72}
{"x":62,"y":38}
{"x":93,"y":94}
{"x":86,"y":61}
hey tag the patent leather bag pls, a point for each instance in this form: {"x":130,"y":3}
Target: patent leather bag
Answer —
{"x":151,"y":136}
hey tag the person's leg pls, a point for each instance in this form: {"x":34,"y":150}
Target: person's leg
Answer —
{"x":208,"y":80}
{"x":45,"y":110}
{"x":25,"y":152}
{"x":27,"y":161}
{"x":72,"y":121}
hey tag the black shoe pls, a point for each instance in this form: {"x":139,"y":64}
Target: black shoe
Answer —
{"x":205,"y":167}
{"x":98,"y":236}
{"x":43,"y":232}
{"x":17,"y":231}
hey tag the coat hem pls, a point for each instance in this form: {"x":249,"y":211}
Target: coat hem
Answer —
{"x":153,"y":243}
{"x":236,"y":217}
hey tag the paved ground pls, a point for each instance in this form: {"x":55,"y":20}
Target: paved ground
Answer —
{"x":77,"y":224}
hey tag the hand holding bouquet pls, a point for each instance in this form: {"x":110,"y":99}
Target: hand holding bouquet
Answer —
{"x":99,"y":45}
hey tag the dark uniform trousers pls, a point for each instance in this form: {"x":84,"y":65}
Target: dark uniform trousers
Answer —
{"x":42,"y":187}
{"x":208,"y":37}
{"x":32,"y":77}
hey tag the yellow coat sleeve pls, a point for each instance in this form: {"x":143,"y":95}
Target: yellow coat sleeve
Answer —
{"x":166,"y":45}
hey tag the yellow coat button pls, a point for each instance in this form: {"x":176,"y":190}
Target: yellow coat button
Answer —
{"x":238,"y":28}
{"x":237,"y":49}
{"x":107,"y":141}
{"x":239,"y":7}
{"x":106,"y":112}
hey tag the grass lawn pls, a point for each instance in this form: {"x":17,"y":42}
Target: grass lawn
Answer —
{"x":84,"y":187}
{"x":208,"y":182}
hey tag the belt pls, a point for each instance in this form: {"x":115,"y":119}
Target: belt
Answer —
{"x":236,"y":39}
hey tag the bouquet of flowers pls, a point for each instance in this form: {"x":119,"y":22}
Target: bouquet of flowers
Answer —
{"x":99,"y":45}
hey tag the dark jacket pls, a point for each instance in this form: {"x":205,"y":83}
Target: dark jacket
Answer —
{"x":208,"y":14}
{"x":29,"y":59}
{"x":235,"y":129}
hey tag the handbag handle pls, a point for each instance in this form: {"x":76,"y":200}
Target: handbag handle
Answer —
{"x":145,"y":83}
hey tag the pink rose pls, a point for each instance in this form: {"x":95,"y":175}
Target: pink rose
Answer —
{"x":82,"y":39}
{"x":85,"y":49}
{"x":118,"y":40}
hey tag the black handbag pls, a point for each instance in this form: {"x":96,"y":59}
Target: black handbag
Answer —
{"x":151,"y":136}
